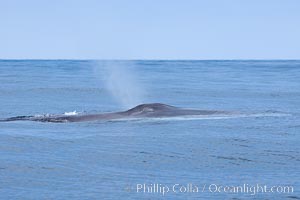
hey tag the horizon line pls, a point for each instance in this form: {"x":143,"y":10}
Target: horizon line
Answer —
{"x":117,"y":59}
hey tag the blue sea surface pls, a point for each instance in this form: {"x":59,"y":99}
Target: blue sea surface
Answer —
{"x":109,"y":160}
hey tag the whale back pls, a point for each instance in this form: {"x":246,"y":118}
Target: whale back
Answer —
{"x":153,"y":110}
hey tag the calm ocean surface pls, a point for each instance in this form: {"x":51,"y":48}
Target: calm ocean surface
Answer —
{"x":106,"y":160}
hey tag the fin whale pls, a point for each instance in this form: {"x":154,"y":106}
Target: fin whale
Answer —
{"x":153,"y":110}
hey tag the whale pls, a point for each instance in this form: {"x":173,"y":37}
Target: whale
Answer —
{"x":151,"y":110}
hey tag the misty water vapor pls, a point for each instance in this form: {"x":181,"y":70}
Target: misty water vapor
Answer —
{"x":120,"y":79}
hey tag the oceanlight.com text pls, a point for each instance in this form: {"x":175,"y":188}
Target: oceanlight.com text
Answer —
{"x":248,"y":189}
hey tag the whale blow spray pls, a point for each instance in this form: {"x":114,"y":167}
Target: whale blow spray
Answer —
{"x":119,"y":78}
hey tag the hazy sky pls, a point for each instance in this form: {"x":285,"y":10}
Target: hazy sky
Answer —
{"x":150,"y":29}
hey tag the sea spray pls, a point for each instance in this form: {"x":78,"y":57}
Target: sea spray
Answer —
{"x":120,"y":80}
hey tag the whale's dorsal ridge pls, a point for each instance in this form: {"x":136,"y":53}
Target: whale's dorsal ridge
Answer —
{"x":151,"y":107}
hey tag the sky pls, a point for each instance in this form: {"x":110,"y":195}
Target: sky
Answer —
{"x":150,"y":29}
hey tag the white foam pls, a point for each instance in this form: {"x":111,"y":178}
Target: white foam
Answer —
{"x":44,"y":115}
{"x":71,"y":113}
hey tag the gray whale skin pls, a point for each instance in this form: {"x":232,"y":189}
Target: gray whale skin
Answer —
{"x":153,"y":110}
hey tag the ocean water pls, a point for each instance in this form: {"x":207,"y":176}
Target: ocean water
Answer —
{"x":111,"y":160}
